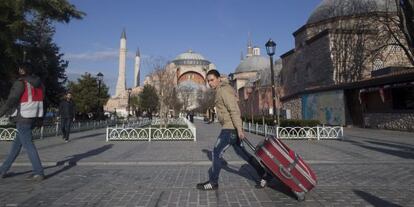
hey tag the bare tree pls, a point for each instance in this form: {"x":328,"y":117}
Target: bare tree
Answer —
{"x":186,"y":94}
{"x":360,"y":42}
{"x":351,"y":39}
{"x":394,"y":31}
{"x":205,"y":100}
{"x":164,"y":81}
{"x":405,"y":10}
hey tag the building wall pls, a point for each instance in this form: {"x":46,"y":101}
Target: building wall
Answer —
{"x":327,"y":107}
{"x":307,"y":67}
{"x":295,"y":107}
{"x":331,"y":52}
{"x":394,"y":121}
{"x":242,"y":78}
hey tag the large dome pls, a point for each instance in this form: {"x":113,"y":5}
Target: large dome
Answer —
{"x":190,"y":58}
{"x":335,"y":8}
{"x":253,"y":63}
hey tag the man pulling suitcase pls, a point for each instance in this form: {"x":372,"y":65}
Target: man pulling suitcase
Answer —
{"x":228,"y":113}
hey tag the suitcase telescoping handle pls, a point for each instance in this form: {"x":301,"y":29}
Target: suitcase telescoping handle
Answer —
{"x":249,"y":144}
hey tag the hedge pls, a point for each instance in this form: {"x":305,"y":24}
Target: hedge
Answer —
{"x":283,"y":122}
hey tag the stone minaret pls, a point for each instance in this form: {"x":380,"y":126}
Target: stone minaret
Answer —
{"x":249,"y":47}
{"x":121,"y":84}
{"x":136,"y":69}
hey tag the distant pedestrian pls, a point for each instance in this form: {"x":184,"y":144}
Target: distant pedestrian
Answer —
{"x":228,"y":113}
{"x":26,"y":99}
{"x":192,"y":116}
{"x":67,"y":115}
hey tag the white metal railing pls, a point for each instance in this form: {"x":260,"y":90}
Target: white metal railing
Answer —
{"x":147,"y":133}
{"x":8,"y":134}
{"x":318,"y":132}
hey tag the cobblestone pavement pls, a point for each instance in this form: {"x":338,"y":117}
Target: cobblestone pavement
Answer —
{"x":367,"y":168}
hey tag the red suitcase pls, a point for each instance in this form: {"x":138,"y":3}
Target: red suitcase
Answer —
{"x":286,"y":165}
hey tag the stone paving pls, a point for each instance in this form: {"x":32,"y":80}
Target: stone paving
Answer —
{"x":367,"y":168}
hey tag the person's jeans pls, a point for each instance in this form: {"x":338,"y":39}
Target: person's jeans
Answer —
{"x":227,"y":138}
{"x":23,"y":138}
{"x":66,"y":124}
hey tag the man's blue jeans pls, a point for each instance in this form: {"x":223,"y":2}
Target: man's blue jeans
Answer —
{"x":227,"y":138}
{"x":23,"y":138}
{"x":66,"y":124}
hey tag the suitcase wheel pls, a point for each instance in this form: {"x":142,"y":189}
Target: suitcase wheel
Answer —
{"x":300,"y":195}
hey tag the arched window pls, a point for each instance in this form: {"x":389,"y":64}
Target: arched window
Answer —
{"x":378,"y":64}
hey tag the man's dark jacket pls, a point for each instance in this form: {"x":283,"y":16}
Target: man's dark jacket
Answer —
{"x":67,"y":109}
{"x":13,"y":101}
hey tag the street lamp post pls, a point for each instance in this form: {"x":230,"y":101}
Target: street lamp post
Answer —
{"x":99,"y":77}
{"x":129,"y":100}
{"x":270,"y":48}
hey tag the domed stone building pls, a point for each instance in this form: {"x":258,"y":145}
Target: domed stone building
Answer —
{"x":190,"y":69}
{"x":191,"y":66}
{"x":252,"y":80}
{"x":348,"y":66}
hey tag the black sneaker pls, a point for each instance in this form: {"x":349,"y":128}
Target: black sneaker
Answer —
{"x":35,"y":177}
{"x":261,"y":184}
{"x":207,"y":186}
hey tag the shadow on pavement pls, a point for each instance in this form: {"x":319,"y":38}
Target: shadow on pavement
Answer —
{"x":398,"y":150}
{"x":89,"y":135}
{"x":244,"y":171}
{"x":71,"y":139}
{"x":73,"y":159}
{"x":374,"y":200}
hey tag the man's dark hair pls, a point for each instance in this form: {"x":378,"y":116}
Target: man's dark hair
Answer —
{"x":27,"y":67}
{"x":213,"y":72}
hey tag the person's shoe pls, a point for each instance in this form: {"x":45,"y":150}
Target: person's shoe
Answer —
{"x":207,"y":186}
{"x":67,"y":140}
{"x":261,"y":184}
{"x":35,"y":177}
{"x":3,"y":175}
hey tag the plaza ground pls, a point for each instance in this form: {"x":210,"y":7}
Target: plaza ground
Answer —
{"x":367,"y":168}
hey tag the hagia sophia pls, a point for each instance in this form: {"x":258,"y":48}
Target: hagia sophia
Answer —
{"x":346,"y":68}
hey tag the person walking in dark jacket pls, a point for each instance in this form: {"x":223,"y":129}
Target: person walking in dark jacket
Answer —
{"x":67,"y":115}
{"x":25,"y":101}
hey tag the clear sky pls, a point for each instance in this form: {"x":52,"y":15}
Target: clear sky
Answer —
{"x":217,"y":29}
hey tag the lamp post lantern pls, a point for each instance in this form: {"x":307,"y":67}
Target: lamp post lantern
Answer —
{"x":270,"y":48}
{"x":129,"y":90}
{"x":99,"y":77}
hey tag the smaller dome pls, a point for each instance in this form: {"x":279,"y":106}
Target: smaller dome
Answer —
{"x":253,"y":63}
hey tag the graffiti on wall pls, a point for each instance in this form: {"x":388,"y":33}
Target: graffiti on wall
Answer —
{"x":327,"y":107}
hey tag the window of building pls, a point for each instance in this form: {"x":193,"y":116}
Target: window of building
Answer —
{"x":378,"y":64}
{"x":403,"y":98}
